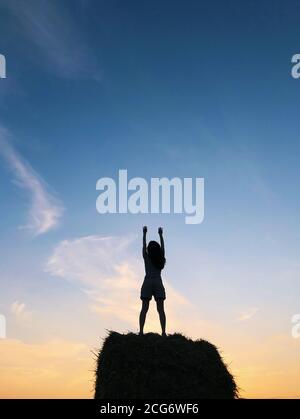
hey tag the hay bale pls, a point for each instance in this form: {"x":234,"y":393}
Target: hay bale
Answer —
{"x":152,"y":366}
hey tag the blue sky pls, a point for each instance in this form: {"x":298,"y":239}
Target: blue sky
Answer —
{"x":172,"y":88}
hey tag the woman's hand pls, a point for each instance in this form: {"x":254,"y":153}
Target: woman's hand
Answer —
{"x":160,"y":231}
{"x":145,"y":229}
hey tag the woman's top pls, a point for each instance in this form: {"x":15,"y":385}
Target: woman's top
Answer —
{"x":152,"y":272}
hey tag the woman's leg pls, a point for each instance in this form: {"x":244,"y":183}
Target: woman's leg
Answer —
{"x":143,"y":313}
{"x":162,"y":316}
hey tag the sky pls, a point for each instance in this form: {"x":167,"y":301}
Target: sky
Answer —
{"x":161,"y":89}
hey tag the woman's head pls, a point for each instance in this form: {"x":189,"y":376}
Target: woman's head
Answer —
{"x":156,"y":255}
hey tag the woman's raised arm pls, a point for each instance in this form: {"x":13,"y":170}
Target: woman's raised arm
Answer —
{"x":162,"y":243}
{"x":144,"y":240}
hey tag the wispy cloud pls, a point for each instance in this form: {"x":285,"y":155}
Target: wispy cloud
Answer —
{"x":20,"y":311}
{"x":247,"y":315}
{"x":56,"y":37}
{"x":109,"y":274}
{"x":45,"y":210}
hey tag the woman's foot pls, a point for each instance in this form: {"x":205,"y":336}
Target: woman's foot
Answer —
{"x":164,"y":334}
{"x":141,"y":333}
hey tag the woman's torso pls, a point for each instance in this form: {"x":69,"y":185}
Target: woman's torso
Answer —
{"x":152,"y":272}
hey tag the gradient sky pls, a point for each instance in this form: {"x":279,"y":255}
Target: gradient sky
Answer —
{"x":160,"y":88}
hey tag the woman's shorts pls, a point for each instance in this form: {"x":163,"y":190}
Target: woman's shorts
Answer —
{"x":153,"y":287}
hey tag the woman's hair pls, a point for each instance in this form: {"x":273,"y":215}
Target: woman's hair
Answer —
{"x":156,"y":255}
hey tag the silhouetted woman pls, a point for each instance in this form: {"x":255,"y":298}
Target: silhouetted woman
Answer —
{"x":154,"y":259}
